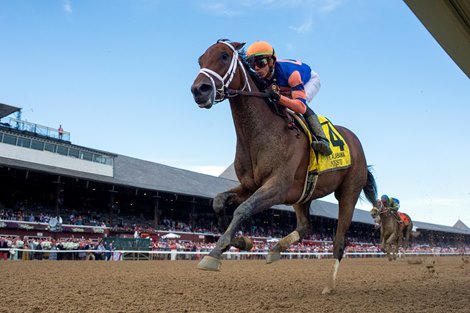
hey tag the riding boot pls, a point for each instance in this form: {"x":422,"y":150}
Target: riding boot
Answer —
{"x":321,"y":144}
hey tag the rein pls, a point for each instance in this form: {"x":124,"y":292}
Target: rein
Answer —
{"x":281,"y":112}
{"x":383,"y":210}
{"x":236,"y":92}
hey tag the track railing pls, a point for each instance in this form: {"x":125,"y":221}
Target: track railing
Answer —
{"x":175,"y":255}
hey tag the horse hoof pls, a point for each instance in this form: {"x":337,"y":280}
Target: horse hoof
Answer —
{"x":273,"y":257}
{"x":209,"y":263}
{"x":242,"y":243}
{"x":326,"y":291}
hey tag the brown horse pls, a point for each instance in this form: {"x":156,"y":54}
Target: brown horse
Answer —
{"x":271,"y":159}
{"x":406,"y":229}
{"x":393,"y":234}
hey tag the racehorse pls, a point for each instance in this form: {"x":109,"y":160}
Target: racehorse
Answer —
{"x":406,"y":229}
{"x":393,"y":234}
{"x":271,"y":159}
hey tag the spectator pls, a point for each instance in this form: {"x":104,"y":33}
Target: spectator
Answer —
{"x":194,"y":250}
{"x":4,"y":247}
{"x":13,"y":251}
{"x":101,"y":250}
{"x":60,"y":246}
{"x":90,"y":255}
{"x":25,"y":256}
{"x":53,"y":253}
{"x":32,"y":246}
{"x":39,"y":253}
{"x":109,"y":251}
{"x":81,"y":246}
{"x":61,"y":132}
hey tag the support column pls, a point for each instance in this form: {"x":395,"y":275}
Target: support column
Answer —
{"x":112,"y":206}
{"x":59,"y":196}
{"x":192,"y":218}
{"x":156,"y":211}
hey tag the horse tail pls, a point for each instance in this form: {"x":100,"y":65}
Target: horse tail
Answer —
{"x":370,"y":189}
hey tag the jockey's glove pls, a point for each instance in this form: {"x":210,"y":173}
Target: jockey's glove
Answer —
{"x":274,"y":95}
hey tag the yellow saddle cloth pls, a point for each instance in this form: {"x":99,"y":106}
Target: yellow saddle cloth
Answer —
{"x":318,"y":163}
{"x":340,"y":158}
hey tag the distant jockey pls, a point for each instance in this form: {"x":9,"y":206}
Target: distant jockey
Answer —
{"x":393,"y":204}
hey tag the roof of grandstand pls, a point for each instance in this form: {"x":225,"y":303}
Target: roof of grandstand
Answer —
{"x":6,"y":109}
{"x":142,"y":174}
{"x":461,"y":225}
{"x":136,"y":173}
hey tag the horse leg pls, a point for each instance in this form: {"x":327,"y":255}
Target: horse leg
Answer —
{"x":265,"y":197}
{"x":346,"y":203}
{"x":226,"y":200}
{"x":390,"y":249}
{"x":303,"y":225}
{"x":409,"y":229}
{"x":401,"y":237}
{"x":382,"y":240}
{"x":397,"y":247}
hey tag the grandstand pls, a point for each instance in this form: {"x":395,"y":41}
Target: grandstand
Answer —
{"x":40,"y":169}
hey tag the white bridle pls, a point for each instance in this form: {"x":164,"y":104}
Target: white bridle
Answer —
{"x":219,"y":94}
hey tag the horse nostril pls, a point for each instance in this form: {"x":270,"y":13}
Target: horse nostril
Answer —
{"x":199,"y":90}
{"x":205,"y":88}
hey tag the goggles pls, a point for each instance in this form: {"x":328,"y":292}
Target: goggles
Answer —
{"x":260,"y":62}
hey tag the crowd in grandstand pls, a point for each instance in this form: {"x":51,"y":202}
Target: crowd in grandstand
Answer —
{"x":36,"y":248}
{"x":15,"y":248}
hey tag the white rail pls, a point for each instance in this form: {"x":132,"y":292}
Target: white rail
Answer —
{"x":187,"y":255}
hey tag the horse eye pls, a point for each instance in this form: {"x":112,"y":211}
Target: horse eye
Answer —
{"x":225,"y":57}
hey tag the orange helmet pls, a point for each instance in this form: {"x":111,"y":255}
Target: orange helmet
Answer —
{"x":260,"y":48}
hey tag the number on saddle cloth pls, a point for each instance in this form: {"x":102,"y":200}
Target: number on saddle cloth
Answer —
{"x":334,"y":138}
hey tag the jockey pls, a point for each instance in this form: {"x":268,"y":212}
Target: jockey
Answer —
{"x":393,"y":204}
{"x":293,"y":85}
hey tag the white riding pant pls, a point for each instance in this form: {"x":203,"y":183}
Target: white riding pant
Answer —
{"x":312,"y":86}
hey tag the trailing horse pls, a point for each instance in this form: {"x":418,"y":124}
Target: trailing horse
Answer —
{"x":272,"y":159}
{"x":393,"y":233}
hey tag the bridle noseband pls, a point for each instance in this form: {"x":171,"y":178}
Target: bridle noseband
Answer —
{"x":223,"y":92}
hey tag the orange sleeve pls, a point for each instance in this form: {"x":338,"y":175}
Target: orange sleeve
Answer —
{"x":297,"y":94}
{"x":295,"y":79}
{"x":293,"y":104}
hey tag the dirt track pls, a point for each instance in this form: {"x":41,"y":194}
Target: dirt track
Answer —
{"x":364,"y":285}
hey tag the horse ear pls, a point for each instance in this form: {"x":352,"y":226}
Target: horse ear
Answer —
{"x":238,"y":45}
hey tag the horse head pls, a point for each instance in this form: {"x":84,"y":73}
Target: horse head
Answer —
{"x":218,"y":72}
{"x":376,"y":210}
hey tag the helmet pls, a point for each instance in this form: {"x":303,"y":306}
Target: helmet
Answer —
{"x":384,"y":198}
{"x":260,"y":48}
